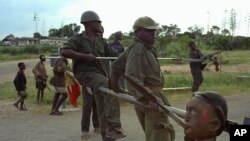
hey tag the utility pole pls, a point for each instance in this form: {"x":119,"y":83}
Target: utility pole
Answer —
{"x":43,"y":28}
{"x":36,"y":20}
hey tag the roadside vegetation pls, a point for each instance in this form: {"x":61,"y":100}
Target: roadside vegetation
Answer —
{"x":8,"y":53}
{"x":235,"y":52}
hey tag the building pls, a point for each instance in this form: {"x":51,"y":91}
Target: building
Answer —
{"x":15,"y":41}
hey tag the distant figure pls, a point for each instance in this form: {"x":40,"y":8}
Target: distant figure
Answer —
{"x":59,"y":83}
{"x":206,"y":117}
{"x":116,"y":44}
{"x":41,"y":77}
{"x":196,"y":67}
{"x":20,"y":84}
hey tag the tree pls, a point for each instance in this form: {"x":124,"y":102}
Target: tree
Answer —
{"x":8,"y":36}
{"x":215,"y":29}
{"x":225,"y":32}
{"x":170,"y":30}
{"x":54,"y":33}
{"x":197,"y":30}
{"x":37,"y":35}
{"x":65,"y":31}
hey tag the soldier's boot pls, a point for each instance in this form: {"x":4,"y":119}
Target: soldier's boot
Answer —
{"x":105,"y":138}
{"x":115,"y":133}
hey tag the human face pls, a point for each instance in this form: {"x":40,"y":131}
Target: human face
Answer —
{"x":198,"y":117}
{"x":193,"y":46}
{"x":22,"y":67}
{"x":97,"y":27}
{"x":147,"y":36}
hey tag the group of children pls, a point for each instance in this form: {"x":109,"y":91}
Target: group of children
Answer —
{"x":39,"y":71}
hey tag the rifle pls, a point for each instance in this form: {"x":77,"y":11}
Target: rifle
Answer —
{"x":148,"y":93}
{"x":210,"y":55}
{"x":179,"y":112}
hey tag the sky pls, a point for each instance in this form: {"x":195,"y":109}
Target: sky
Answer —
{"x":17,"y":16}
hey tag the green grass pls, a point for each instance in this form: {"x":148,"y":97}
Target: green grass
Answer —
{"x":8,"y":92}
{"x":223,"y":83}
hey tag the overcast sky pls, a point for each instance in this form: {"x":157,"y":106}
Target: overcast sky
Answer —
{"x":16,"y":16}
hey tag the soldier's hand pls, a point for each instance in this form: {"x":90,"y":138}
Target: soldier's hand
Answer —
{"x":114,"y":85}
{"x":90,"y":57}
{"x":154,"y":107}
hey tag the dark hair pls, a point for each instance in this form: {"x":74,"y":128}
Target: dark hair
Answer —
{"x":218,"y":103}
{"x":191,"y":43}
{"x":20,"y":64}
{"x":41,"y":56}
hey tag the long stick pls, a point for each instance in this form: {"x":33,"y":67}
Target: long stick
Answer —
{"x":179,"y":112}
{"x":114,"y":58}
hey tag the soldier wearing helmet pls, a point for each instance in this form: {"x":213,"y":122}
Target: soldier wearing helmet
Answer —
{"x":93,"y":73}
{"x":140,"y":61}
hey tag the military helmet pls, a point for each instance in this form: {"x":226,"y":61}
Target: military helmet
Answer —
{"x":145,"y":22}
{"x":89,"y":16}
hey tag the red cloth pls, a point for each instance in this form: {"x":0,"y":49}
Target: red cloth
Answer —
{"x":74,"y":93}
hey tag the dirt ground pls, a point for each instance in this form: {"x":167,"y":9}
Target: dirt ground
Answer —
{"x":33,"y":125}
{"x":37,"y":125}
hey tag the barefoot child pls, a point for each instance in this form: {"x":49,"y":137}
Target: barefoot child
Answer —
{"x":20,"y":84}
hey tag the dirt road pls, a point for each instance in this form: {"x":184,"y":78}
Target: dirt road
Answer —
{"x":9,"y":69}
{"x":33,"y":125}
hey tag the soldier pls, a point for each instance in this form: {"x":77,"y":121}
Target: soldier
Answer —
{"x":206,"y":115}
{"x":59,"y":83}
{"x":93,"y":73}
{"x":20,"y":84}
{"x":41,"y":77}
{"x":196,"y":67}
{"x":140,"y":61}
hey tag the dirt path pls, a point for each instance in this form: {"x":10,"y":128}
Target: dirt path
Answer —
{"x":33,"y":125}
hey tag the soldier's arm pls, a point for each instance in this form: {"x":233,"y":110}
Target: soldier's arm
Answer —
{"x":69,"y":51}
{"x":136,"y":67}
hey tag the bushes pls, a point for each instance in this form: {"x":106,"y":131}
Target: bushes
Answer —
{"x":29,"y":49}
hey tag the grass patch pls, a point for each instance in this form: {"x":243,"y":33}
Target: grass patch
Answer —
{"x":8,"y":92}
{"x":223,"y":83}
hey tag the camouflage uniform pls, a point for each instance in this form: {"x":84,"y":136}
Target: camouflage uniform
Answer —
{"x":196,"y":69}
{"x":95,"y":75}
{"x":140,"y":61}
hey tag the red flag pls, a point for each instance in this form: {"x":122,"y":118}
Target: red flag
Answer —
{"x":74,"y":93}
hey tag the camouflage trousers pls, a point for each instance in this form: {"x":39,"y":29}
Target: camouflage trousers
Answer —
{"x":108,"y":107}
{"x":156,"y":125}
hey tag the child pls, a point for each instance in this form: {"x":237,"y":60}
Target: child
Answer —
{"x":206,"y":117}
{"x":20,"y":84}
